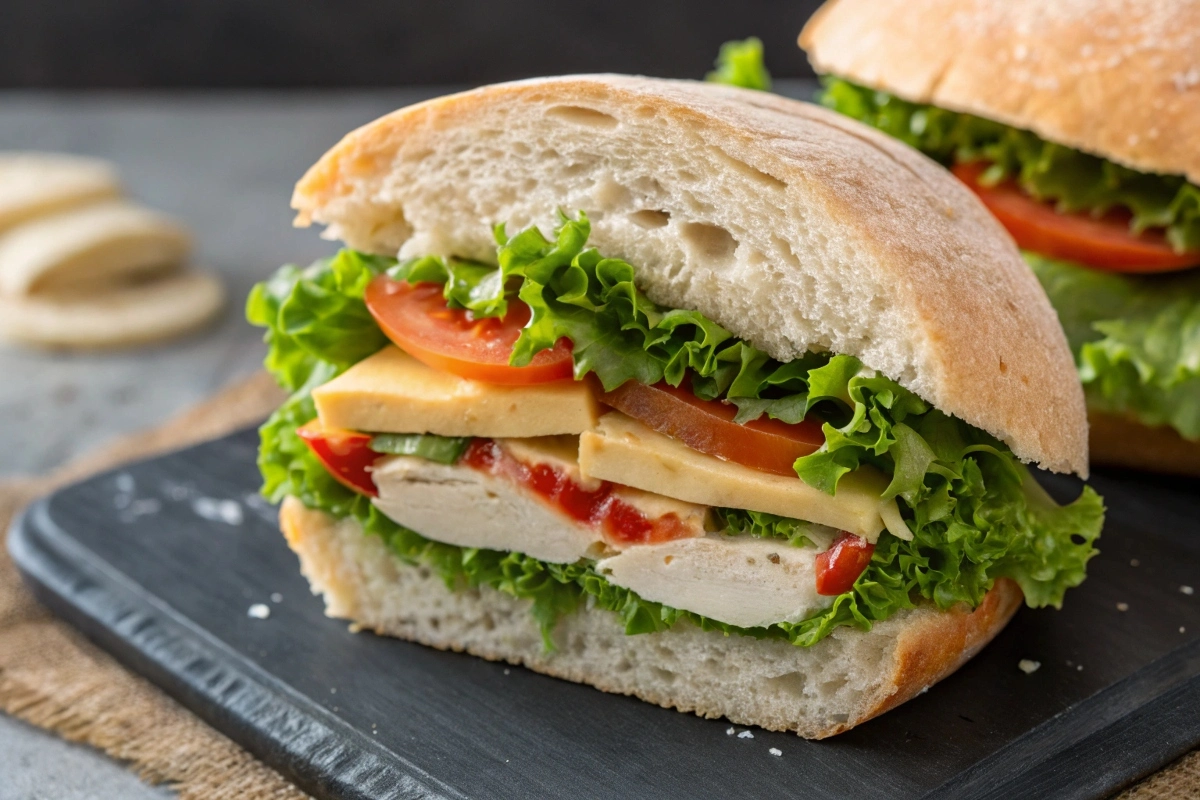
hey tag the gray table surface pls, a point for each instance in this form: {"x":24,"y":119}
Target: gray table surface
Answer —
{"x":223,"y":163}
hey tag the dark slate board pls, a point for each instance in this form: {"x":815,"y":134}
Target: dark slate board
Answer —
{"x":159,"y":562}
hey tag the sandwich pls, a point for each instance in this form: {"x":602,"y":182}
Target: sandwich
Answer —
{"x":1076,"y":124}
{"x":680,"y":390}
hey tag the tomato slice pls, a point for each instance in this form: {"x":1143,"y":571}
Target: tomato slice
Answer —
{"x":707,"y":425}
{"x":839,"y":566}
{"x":1104,"y":243}
{"x":346,"y":454}
{"x":415,"y":317}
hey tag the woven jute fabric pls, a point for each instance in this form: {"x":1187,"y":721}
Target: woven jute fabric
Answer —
{"x":55,"y":679}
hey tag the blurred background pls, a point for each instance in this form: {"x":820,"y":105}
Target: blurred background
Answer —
{"x":200,"y":44}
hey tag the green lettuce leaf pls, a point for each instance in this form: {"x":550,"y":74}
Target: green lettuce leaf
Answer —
{"x":316,"y":318}
{"x":975,"y":512}
{"x":761,"y":525}
{"x":1074,"y":180}
{"x":740,"y":63}
{"x":1136,"y":339}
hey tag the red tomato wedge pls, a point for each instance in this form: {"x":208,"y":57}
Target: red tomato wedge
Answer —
{"x":707,"y":425}
{"x":346,"y":454}
{"x":839,"y":566}
{"x":415,"y":317}
{"x":1104,"y":243}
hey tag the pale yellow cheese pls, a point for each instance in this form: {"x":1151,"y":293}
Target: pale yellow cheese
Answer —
{"x":624,"y":451}
{"x":392,"y":392}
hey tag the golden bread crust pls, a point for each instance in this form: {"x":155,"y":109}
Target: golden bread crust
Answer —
{"x":1118,"y":441}
{"x":987,"y":346}
{"x":1116,"y":78}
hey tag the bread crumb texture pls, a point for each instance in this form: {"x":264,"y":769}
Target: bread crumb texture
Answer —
{"x":794,"y":227}
{"x":1117,"y":78}
{"x":817,"y":692}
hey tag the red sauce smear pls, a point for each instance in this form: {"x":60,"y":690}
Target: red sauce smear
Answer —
{"x":839,"y":566}
{"x":620,"y":522}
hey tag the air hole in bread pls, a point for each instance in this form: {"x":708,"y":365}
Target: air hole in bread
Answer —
{"x":789,"y":683}
{"x":755,"y":174}
{"x":586,"y":117}
{"x":664,"y":675}
{"x":649,"y":218}
{"x":609,"y":195}
{"x":521,"y":149}
{"x":833,"y":685}
{"x":710,"y":246}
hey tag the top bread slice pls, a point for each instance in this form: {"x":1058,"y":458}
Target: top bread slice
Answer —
{"x":1116,"y":78}
{"x":795,"y":228}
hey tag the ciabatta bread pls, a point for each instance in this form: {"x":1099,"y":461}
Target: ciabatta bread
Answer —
{"x":1116,"y":78}
{"x":793,"y":227}
{"x":817,"y":691}
{"x":122,"y":315}
{"x":1119,"y":441}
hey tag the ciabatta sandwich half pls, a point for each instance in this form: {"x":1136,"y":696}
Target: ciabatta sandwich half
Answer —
{"x":682,"y":391}
{"x":1078,"y":124}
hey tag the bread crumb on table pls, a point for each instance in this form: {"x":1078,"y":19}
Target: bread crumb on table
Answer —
{"x":258,"y":611}
{"x":745,"y":735}
{"x":775,"y":751}
{"x":1028,"y":665}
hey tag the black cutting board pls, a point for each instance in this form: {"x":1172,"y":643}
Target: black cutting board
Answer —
{"x":160,"y":561}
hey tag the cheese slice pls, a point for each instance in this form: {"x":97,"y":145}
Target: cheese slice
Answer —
{"x":624,"y":451}
{"x":82,"y":249}
{"x":392,"y":392}
{"x":736,"y":580}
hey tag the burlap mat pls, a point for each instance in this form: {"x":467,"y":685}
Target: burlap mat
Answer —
{"x":52,"y":677}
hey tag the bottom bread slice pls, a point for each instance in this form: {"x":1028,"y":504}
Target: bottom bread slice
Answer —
{"x":1119,"y":441}
{"x":815,"y":691}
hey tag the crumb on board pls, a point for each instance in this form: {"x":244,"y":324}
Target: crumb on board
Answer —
{"x":1188,"y":590}
{"x":775,"y":751}
{"x":1028,"y":665}
{"x":730,"y":731}
{"x":1133,"y":562}
{"x":259,"y":611}
{"x":745,"y":735}
{"x":1122,"y":606}
{"x":276,"y":597}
